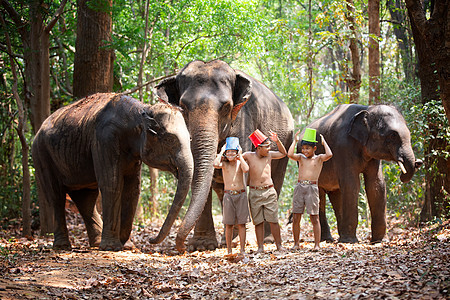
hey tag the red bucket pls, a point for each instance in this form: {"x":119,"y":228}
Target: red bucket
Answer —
{"x":257,"y":137}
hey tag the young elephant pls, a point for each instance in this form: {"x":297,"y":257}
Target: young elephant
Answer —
{"x":97,"y":144}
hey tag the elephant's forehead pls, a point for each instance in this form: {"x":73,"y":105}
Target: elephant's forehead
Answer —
{"x":207,"y":70}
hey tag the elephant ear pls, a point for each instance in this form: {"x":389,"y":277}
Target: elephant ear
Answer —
{"x":167,"y":91}
{"x":241,"y":94}
{"x":359,"y":127}
{"x":151,"y":125}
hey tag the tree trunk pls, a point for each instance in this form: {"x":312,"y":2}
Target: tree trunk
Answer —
{"x":374,"y":51}
{"x":39,"y":68}
{"x":94,"y":61}
{"x":400,"y":30}
{"x":431,"y":37}
{"x":354,"y":80}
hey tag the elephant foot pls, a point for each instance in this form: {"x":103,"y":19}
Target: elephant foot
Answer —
{"x":129,"y":245}
{"x":223,"y":242}
{"x":269,"y":239}
{"x":376,"y":240}
{"x":202,"y":243}
{"x":111,"y":246}
{"x":350,"y":240}
{"x":326,"y":237}
{"x":95,"y":242}
{"x":62,"y":245}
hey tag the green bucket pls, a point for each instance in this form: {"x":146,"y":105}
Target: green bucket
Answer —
{"x":310,"y":135}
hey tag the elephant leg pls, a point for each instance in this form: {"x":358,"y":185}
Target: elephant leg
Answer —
{"x":85,"y":201}
{"x":325,"y":234}
{"x":204,"y":233}
{"x":111,"y":206}
{"x":376,"y":196}
{"x":336,"y":201}
{"x":61,"y":234}
{"x":130,"y":199}
{"x":347,"y":208}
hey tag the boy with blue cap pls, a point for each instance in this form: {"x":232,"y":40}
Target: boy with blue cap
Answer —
{"x":235,"y":204}
{"x":306,"y":192}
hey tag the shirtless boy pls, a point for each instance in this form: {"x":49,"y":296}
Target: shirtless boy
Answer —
{"x":262,"y":195}
{"x":235,"y":204}
{"x":306,"y":192}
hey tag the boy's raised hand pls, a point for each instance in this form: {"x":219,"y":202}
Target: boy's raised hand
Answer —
{"x":222,"y":151}
{"x":239,"y":151}
{"x":273,"y":136}
{"x":322,"y":138}
{"x":297,"y":135}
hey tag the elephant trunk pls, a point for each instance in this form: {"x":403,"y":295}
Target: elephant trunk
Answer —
{"x":407,"y":162}
{"x":204,"y":148}
{"x":185,"y":166}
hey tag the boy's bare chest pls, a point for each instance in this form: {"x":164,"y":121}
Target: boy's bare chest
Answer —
{"x":259,"y":164}
{"x":311,"y":164}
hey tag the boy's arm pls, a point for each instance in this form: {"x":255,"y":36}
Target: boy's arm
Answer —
{"x":218,"y":160}
{"x":291,"y":153}
{"x":328,"y":154}
{"x":244,"y":165}
{"x":281,"y":150}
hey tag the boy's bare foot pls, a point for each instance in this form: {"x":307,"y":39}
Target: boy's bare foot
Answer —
{"x":295,"y":247}
{"x":316,"y":248}
{"x":260,"y":250}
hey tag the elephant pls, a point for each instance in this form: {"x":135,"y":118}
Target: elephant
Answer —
{"x":97,"y":145}
{"x":218,"y":101}
{"x":360,"y":137}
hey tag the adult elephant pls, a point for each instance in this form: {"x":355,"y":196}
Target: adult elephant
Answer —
{"x":360,"y":137}
{"x":217,"y":102}
{"x":98,"y":144}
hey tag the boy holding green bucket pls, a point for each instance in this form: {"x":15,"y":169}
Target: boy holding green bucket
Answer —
{"x":235,"y":204}
{"x":306,"y":192}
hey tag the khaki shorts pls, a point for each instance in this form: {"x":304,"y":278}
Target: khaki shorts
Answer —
{"x":235,"y":209}
{"x":306,"y":195}
{"x":263,"y":205}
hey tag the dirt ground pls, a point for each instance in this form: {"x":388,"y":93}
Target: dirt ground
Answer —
{"x":413,"y":263}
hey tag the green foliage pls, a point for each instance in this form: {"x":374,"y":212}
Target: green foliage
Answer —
{"x":274,"y":41}
{"x":10,"y":162}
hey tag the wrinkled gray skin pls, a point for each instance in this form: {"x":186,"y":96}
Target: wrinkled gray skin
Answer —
{"x":360,"y":137}
{"x":218,"y":102}
{"x":97,"y":145}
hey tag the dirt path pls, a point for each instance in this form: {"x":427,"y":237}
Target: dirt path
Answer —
{"x":413,"y":264}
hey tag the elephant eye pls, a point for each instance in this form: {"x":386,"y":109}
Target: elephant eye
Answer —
{"x":226,"y":108}
{"x":391,"y":136}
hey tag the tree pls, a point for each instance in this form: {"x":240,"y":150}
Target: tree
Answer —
{"x":431,"y":36}
{"x":354,"y":80}
{"x":374,"y":51}
{"x":37,"y":79}
{"x":94,"y":58}
{"x":400,"y":27}
{"x":35,"y":39}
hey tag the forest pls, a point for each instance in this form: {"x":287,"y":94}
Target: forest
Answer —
{"x":315,"y":55}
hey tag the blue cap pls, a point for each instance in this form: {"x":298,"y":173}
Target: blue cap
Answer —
{"x":232,"y":143}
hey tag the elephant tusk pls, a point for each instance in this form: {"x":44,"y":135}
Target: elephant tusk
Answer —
{"x":402,"y":167}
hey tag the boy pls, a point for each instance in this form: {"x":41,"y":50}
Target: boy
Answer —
{"x":306,"y":192}
{"x":262,"y":195}
{"x":235,"y":204}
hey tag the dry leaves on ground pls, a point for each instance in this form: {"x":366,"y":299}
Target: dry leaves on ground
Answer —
{"x":412,"y":264}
